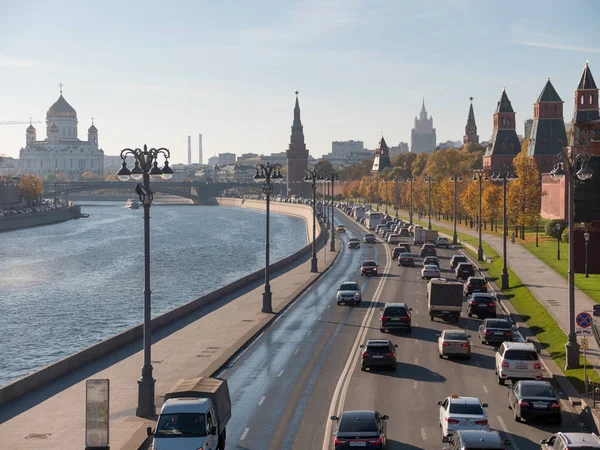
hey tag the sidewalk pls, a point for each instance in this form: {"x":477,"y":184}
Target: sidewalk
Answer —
{"x":54,"y":416}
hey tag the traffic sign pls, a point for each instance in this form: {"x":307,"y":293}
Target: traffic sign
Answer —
{"x":584,"y":343}
{"x":583,"y":332}
{"x":583,"y":320}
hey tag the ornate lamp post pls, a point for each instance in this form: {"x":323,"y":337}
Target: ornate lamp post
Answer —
{"x":332,"y":178}
{"x":558,"y":241}
{"x":580,"y":160}
{"x":313,"y":177}
{"x":265,"y":173}
{"x":481,"y":176}
{"x":456,"y":179}
{"x":410,"y":207}
{"x":504,"y":175}
{"x":586,"y":236}
{"x":146,"y":167}
{"x":429,"y":180}
{"x":385,"y":180}
{"x":396,"y":200}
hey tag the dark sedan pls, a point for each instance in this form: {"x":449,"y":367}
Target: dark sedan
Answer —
{"x":364,"y":429}
{"x":406,"y":259}
{"x":431,"y":260}
{"x":396,"y":252}
{"x":482,"y":305}
{"x":495,"y":331}
{"x":464,"y":270}
{"x":475,"y":284}
{"x":428,"y":250}
{"x":404,"y":246}
{"x":456,"y":260}
{"x":378,"y":353}
{"x":534,"y":399}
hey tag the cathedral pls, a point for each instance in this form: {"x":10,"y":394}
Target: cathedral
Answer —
{"x":62,"y":151}
{"x":422,"y":137}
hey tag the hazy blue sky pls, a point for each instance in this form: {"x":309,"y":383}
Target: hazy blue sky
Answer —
{"x":154,"y":71}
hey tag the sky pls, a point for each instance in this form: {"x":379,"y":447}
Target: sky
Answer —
{"x":154,"y":72}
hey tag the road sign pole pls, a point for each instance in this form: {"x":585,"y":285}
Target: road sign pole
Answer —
{"x":585,"y":371}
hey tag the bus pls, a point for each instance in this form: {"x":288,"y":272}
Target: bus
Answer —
{"x":373,"y":218}
{"x":358,"y":212}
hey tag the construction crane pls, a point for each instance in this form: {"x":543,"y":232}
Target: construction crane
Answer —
{"x":18,"y":122}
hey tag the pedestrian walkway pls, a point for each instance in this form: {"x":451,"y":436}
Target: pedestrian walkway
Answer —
{"x":53,"y":417}
{"x":547,"y":286}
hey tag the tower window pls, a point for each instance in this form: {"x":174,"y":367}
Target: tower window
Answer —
{"x":591,"y":99}
{"x":581,"y":100}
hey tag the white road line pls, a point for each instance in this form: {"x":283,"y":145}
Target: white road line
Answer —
{"x":244,"y":434}
{"x":309,"y":331}
{"x":320,"y":317}
{"x":485,"y":389}
{"x":423,"y":434}
{"x":502,"y":424}
{"x":262,"y":399}
{"x":296,"y":351}
{"x":416,"y":361}
{"x":279,"y":374}
{"x":416,"y":311}
{"x":328,"y":306}
{"x":415,"y":384}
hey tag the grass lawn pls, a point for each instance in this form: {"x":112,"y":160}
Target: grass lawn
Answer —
{"x":539,"y":321}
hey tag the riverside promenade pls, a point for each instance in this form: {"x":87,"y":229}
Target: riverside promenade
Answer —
{"x":53,"y":416}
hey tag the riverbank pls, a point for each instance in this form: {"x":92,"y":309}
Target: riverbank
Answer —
{"x":36,"y":219}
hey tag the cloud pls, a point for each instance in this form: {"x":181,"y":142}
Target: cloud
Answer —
{"x":573,"y":48}
{"x":15,"y":62}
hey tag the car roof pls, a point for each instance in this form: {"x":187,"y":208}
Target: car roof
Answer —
{"x":430,"y":257}
{"x":581,"y":438}
{"x":534,"y":383}
{"x":459,"y":256}
{"x":396,"y":305}
{"x":406,"y":255}
{"x":475,"y":278}
{"x":431,"y":267}
{"x":378,"y":342}
{"x":465,"y":263}
{"x":520,"y":346}
{"x":465,"y":400}
{"x":353,"y":239}
{"x":360,"y":414}
{"x":492,"y":321}
{"x":481,"y":438}
{"x":349,"y":281}
{"x":185,"y":405}
{"x":482,"y":294}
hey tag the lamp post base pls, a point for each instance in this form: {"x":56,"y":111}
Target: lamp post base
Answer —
{"x":454,"y":239}
{"x":572,"y":355}
{"x":504,"y":278}
{"x":146,"y":406}
{"x":480,"y":254}
{"x":313,"y":265}
{"x":267,"y":308}
{"x":332,"y":246}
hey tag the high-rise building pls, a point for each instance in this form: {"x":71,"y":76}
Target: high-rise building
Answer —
{"x":527,"y":128}
{"x":382,"y":157}
{"x":200,"y":148}
{"x":297,"y":157}
{"x":226,"y":158}
{"x":548,"y":136}
{"x":471,"y":136}
{"x":341,"y":149}
{"x":423,"y":137}
{"x":213,"y":161}
{"x":189,"y":149}
{"x":504,"y":144}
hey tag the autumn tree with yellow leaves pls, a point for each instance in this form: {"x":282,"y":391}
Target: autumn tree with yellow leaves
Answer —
{"x":31,"y":187}
{"x":524,"y":197}
{"x":491,"y":208}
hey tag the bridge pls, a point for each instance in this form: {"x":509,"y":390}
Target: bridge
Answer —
{"x":198,"y":191}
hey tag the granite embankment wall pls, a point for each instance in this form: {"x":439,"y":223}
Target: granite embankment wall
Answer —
{"x":35,"y":219}
{"x":43,"y":376}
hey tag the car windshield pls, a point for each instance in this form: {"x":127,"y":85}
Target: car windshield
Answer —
{"x":353,"y":424}
{"x":476,"y":281}
{"x":482,"y":299}
{"x":455,"y":335}
{"x":353,"y":240}
{"x":466,"y":408}
{"x":459,"y":258}
{"x":500,"y":324}
{"x":465,"y":265}
{"x":368,"y":263}
{"x":537,"y":390}
{"x":185,"y":424}
{"x":395,"y":311}
{"x":368,"y":235}
{"x":431,"y":267}
{"x":349,"y":287}
{"x":521,"y":355}
{"x":405,"y":255}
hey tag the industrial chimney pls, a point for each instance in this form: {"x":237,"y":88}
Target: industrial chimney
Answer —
{"x":200,"y":147}
{"x":189,"y":150}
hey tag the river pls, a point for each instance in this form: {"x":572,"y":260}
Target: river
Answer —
{"x":67,"y":286}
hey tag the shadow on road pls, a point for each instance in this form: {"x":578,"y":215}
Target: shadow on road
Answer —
{"x":413,"y":372}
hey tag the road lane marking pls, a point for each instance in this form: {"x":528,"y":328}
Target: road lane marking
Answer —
{"x":339,"y":394}
{"x":262,"y":399}
{"x":309,"y":331}
{"x":423,"y":434}
{"x":296,"y":351}
{"x":417,"y":311}
{"x":502,"y":424}
{"x":416,"y":361}
{"x":328,"y":306}
{"x":279,"y":374}
{"x":415,"y":384}
{"x":320,"y":317}
{"x":485,"y":389}
{"x":244,"y":434}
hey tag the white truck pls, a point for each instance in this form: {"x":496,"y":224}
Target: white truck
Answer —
{"x":421,"y":236}
{"x":194,"y":416}
{"x":358,"y":212}
{"x":445,"y":299}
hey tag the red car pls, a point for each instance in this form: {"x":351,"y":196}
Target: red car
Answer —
{"x":368,"y":267}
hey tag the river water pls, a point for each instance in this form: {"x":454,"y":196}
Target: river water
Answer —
{"x":66,"y":286}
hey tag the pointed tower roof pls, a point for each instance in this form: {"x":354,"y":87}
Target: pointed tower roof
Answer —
{"x":92,"y":129}
{"x":30,"y":129}
{"x":504,"y":105}
{"x":471,"y":118}
{"x":587,"y":80}
{"x":423,"y":107}
{"x":548,"y":94}
{"x":382,"y":157}
{"x":382,"y":144}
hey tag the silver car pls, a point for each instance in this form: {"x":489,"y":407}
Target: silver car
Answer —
{"x":349,"y":292}
{"x":454,"y":343}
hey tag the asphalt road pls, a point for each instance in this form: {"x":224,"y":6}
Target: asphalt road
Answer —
{"x":305,"y":367}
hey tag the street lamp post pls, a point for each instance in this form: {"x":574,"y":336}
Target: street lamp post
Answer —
{"x":586,"y":236}
{"x":396,"y":195}
{"x":377,"y":192}
{"x":429,"y":180}
{"x":410,"y":206}
{"x":265,"y":173}
{"x":385,"y":180}
{"x":558,"y":241}
{"x":332,"y":178}
{"x":504,"y":175}
{"x":312,"y":177}
{"x":456,"y":179}
{"x":146,"y":167}
{"x":481,"y":176}
{"x":537,"y":226}
{"x":584,"y":173}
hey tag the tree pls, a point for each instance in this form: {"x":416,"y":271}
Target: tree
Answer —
{"x":31,"y":187}
{"x":492,"y":203}
{"x":419,"y":164}
{"x":524,"y":197}
{"x":64,"y":178}
{"x":90,"y":176}
{"x":324,"y":167}
{"x":469,"y":199}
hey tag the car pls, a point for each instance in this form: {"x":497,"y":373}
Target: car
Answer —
{"x":378,"y":228}
{"x":403,"y":231}
{"x":518,"y":361}
{"x":482,"y":305}
{"x":382,"y":231}
{"x":365,"y":429}
{"x":369,"y":238}
{"x":563,"y":441}
{"x":476,"y":439}
{"x":464,"y":270}
{"x":462,"y":413}
{"x":531,"y":399}
{"x":405,"y":246}
{"x":368,"y":267}
{"x":395,"y":316}
{"x":495,"y":331}
{"x":393,"y":239}
{"x":431,"y":260}
{"x":349,"y":292}
{"x":353,"y":243}
{"x":406,"y":259}
{"x":378,"y":353}
{"x":340,"y":229}
{"x":456,"y":259}
{"x":428,"y":250}
{"x":430,"y":271}
{"x":396,"y":252}
{"x":454,"y":343}
{"x":442,"y":242}
{"x":475,"y":284}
